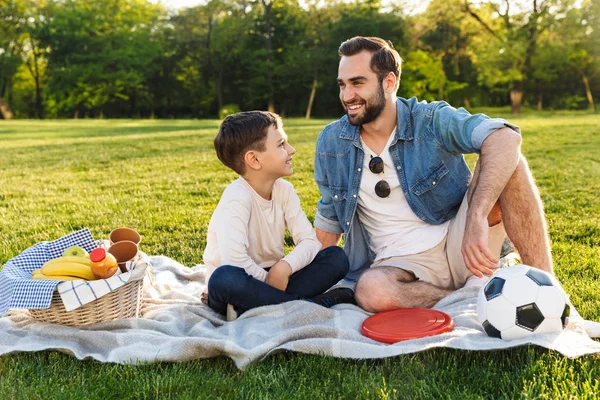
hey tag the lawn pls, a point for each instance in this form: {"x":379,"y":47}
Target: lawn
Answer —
{"x":162,"y":178}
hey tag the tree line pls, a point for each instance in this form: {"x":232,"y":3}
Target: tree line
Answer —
{"x":134,"y":58}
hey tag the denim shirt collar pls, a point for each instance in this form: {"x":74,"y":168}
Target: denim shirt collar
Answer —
{"x":403,"y":126}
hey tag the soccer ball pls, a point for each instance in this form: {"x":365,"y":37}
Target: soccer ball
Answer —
{"x":520,"y":301}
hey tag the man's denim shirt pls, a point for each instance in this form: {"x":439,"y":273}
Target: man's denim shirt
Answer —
{"x":427,"y":151}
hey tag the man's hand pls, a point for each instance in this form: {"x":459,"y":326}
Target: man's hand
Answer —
{"x":500,"y":153}
{"x":475,"y":250}
{"x":279,"y":275}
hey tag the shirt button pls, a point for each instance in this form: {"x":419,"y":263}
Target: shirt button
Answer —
{"x":359,"y":170}
{"x":335,"y":196}
{"x":398,"y":168}
{"x":354,"y":195}
{"x":433,"y":183}
{"x":347,"y":223}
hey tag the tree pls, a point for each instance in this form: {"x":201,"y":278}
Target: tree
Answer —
{"x":116,"y":43}
{"x":32,"y":53}
{"x":131,"y":58}
{"x":20,"y":26}
{"x":424,"y":77}
{"x":192,"y":43}
{"x":566,"y":56}
{"x":268,"y":35}
{"x":11,"y":28}
{"x":322,"y":50}
{"x":291,"y":61}
{"x":585,"y":55}
{"x":514,"y":35}
{"x":444,"y":32}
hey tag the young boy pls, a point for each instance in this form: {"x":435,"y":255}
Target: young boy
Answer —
{"x":246,"y":232}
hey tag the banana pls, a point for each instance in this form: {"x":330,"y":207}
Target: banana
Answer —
{"x":36,"y":271}
{"x":55,"y":277}
{"x":69,"y":269}
{"x":74,"y":259}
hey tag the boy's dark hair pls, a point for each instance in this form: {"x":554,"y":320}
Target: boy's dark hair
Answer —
{"x":385,"y":58}
{"x":242,"y":132}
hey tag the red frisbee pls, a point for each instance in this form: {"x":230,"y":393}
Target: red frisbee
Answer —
{"x":406,"y":323}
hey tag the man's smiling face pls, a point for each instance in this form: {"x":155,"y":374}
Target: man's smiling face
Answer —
{"x":361,"y":93}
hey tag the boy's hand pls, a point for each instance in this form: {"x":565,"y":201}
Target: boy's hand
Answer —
{"x":279,"y":275}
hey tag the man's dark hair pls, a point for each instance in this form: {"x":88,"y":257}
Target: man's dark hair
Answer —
{"x":385,"y":58}
{"x":242,"y":132}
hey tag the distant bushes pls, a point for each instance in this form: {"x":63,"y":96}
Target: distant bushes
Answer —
{"x":228,"y":110}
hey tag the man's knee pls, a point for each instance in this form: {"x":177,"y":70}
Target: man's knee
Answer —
{"x":522,"y":174}
{"x":366,"y":289}
{"x":523,"y":165}
{"x":520,"y":178}
{"x":376,"y":289}
{"x":521,"y":188}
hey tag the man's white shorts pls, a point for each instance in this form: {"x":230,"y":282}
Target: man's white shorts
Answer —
{"x":443,"y":265}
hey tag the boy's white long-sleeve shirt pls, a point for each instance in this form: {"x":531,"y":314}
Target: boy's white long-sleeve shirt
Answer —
{"x":248,"y":231}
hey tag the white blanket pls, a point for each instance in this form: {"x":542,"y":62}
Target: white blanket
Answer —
{"x":177,"y":327}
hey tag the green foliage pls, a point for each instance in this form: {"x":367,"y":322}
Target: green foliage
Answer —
{"x":423,"y":76}
{"x":228,"y":110}
{"x":23,"y":93}
{"x":574,"y":102}
{"x":11,"y":31}
{"x":163,"y":178}
{"x":116,"y":46}
{"x":133,"y":58}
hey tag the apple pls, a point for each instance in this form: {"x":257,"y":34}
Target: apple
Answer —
{"x":76,"y":251}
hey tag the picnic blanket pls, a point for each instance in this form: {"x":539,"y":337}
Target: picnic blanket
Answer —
{"x":176,"y":326}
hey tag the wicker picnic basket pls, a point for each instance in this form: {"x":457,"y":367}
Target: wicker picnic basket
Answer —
{"x":124,"y":302}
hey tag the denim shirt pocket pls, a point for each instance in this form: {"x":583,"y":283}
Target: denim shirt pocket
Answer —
{"x":433,"y":190}
{"x":338,"y":194}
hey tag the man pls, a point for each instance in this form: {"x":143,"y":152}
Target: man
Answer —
{"x":394,"y":182}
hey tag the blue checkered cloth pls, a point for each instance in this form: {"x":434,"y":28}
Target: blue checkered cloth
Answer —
{"x":18,"y":290}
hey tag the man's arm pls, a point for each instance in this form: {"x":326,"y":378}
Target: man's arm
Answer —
{"x":326,"y":218}
{"x":328,"y":239}
{"x":500,"y":153}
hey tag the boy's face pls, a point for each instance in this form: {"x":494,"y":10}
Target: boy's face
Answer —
{"x":276,"y":160}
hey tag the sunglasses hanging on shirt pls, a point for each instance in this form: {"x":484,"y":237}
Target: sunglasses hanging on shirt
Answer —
{"x":382,"y":188}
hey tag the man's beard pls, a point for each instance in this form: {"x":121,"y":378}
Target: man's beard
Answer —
{"x":373,"y":108}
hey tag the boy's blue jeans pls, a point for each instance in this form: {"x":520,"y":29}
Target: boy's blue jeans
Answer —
{"x":232,"y":285}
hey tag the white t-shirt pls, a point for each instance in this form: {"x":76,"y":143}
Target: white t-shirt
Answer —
{"x":393,"y":228}
{"x":248,"y":231}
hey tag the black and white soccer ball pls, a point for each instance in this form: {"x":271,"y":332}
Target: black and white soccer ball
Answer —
{"x":521,"y":301}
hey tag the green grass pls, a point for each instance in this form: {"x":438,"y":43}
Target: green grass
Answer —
{"x":162,"y":178}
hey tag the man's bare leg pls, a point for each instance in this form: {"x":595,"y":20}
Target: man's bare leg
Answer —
{"x":522,"y":211}
{"x":389,"y":288}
